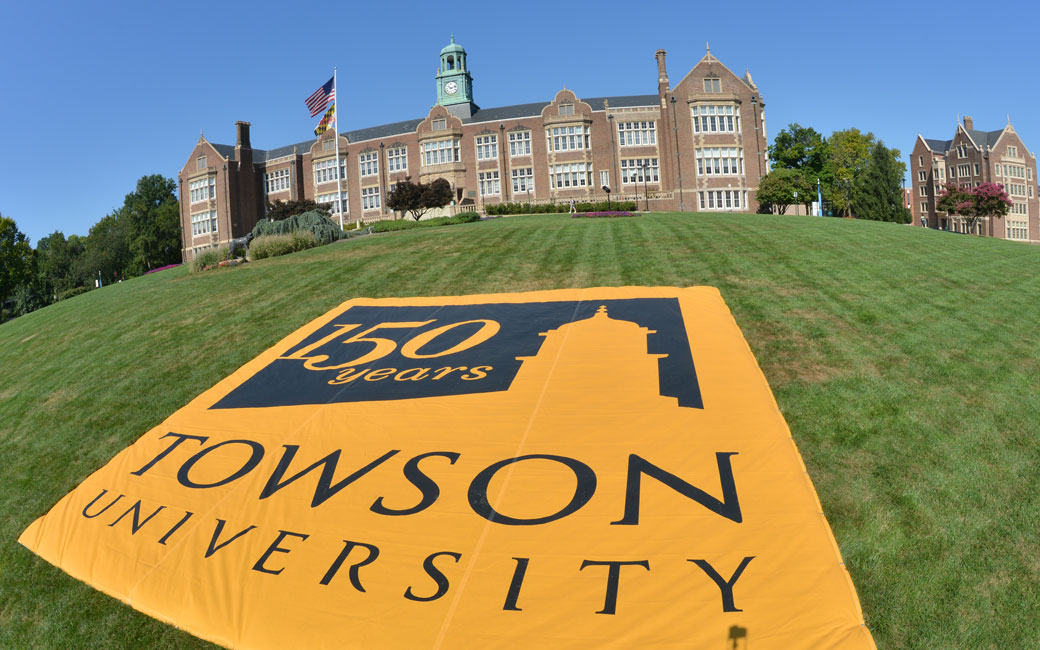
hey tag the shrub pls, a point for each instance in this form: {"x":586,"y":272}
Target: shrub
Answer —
{"x":275,"y":245}
{"x":208,"y":257}
{"x":556,"y":208}
{"x":389,"y":226}
{"x":325,"y":231}
{"x":468,"y":217}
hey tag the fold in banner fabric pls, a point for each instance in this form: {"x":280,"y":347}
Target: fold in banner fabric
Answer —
{"x":581,"y":468}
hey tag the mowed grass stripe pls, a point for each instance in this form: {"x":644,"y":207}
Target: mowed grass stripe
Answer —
{"x":906,"y":362}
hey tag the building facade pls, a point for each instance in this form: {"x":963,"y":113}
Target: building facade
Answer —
{"x":970,"y":158}
{"x":699,"y":145}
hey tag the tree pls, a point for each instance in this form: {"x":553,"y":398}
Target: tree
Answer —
{"x":798,"y":147}
{"x":418,"y":198}
{"x":877,"y":192}
{"x":107,"y":252}
{"x":988,"y":200}
{"x":849,"y":154}
{"x":778,"y":187}
{"x":279,"y":210}
{"x":151,"y":216}
{"x":16,"y":260}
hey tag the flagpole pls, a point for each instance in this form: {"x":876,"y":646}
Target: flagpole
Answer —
{"x":335,"y":117}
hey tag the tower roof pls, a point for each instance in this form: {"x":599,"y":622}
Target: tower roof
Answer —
{"x":453,"y":47}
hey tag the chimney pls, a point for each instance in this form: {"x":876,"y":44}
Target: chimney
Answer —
{"x":969,"y":123}
{"x":662,"y":74}
{"x":243,"y":135}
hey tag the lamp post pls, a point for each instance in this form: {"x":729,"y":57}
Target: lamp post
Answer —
{"x":382,"y":176}
{"x":646,"y":197}
{"x":613,"y":151}
{"x":503,"y":182}
{"x":678,"y":161}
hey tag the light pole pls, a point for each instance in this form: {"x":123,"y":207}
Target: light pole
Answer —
{"x":678,"y":161}
{"x":382,"y":178}
{"x":646,"y":197}
{"x":613,"y":151}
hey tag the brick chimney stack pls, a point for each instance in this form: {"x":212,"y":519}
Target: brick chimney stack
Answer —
{"x":243,"y":135}
{"x":969,"y":123}
{"x":662,"y":73}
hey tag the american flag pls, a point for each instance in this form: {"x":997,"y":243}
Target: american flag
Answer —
{"x":321,"y":98}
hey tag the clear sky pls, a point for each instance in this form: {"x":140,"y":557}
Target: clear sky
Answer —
{"x":95,"y":95}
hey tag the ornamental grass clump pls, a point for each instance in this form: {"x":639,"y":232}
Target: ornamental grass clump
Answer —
{"x":275,"y":245}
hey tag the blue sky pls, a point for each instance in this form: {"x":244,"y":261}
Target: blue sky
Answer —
{"x":94,"y":97}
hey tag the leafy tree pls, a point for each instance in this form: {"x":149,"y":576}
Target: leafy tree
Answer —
{"x":279,"y":210}
{"x":850,"y":153}
{"x":55,"y":261}
{"x":151,"y":215}
{"x":878,"y":190}
{"x":777,"y":188}
{"x":107,"y":252}
{"x":987,"y":200}
{"x":798,"y":147}
{"x":418,"y":198}
{"x":16,"y":260}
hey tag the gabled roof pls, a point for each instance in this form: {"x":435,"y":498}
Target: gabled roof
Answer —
{"x":500,"y":113}
{"x":938,"y":146}
{"x":984,"y":138}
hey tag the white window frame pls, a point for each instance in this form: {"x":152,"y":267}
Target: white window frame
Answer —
{"x":568,"y":176}
{"x":569,"y":137}
{"x":397,"y":159}
{"x":632,"y":171}
{"x":203,"y":223}
{"x":371,"y":198}
{"x":276,"y":180}
{"x":330,"y":198}
{"x":523,"y":180}
{"x":325,"y":170}
{"x":489,"y":183}
{"x":637,"y":134}
{"x":715,"y":118}
{"x":439,"y":152}
{"x":519,"y":143}
{"x":487,"y":146}
{"x":368,"y":163}
{"x":202,"y":189}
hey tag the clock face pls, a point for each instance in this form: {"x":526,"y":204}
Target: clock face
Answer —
{"x":451,"y":87}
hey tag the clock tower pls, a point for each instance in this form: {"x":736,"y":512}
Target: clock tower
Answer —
{"x":454,"y":83}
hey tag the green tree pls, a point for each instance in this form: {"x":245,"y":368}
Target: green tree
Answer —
{"x":16,"y":260}
{"x":418,"y":198}
{"x":107,"y":252}
{"x":849,"y":154}
{"x":878,"y":189}
{"x":778,"y":188}
{"x":279,"y":210}
{"x":56,"y":258}
{"x":802,"y":148}
{"x":151,"y":215}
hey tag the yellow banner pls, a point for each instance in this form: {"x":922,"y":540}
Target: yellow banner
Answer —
{"x":582,"y":468}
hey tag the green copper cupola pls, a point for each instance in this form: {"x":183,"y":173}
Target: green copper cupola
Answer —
{"x":454,"y":83}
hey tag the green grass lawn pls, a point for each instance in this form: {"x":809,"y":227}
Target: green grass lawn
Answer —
{"x":907,"y":363}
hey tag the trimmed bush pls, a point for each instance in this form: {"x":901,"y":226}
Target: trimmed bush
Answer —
{"x":468,"y":217}
{"x":558,"y":208}
{"x":275,"y":245}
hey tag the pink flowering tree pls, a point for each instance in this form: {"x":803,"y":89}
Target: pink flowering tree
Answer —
{"x":986,"y":200}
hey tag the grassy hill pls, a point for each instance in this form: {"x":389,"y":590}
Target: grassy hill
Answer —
{"x":907,"y":363}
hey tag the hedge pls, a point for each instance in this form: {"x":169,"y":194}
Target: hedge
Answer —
{"x":558,"y":208}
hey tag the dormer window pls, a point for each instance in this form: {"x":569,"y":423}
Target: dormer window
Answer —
{"x":713,"y":85}
{"x":566,"y":109}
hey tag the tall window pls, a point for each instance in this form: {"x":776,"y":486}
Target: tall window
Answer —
{"x":200,"y":163}
{"x":632,"y":170}
{"x":567,"y":138}
{"x":1017,"y":230}
{"x":963,"y":170}
{"x":720,"y":161}
{"x":568,"y":175}
{"x":336,"y":206}
{"x":1013,"y":151}
{"x":487,"y":147}
{"x":631,"y":134}
{"x":604,"y":178}
{"x":440,"y":151}
{"x":369,"y":163}
{"x":489,"y":183}
{"x":720,"y":200}
{"x":523,"y":179}
{"x":520,"y":143}
{"x":276,"y":181}
{"x":713,"y":85}
{"x":203,"y":223}
{"x":715,"y":119}
{"x":203,"y":189}
{"x":397,"y":159}
{"x":325,"y":171}
{"x":921,"y":175}
{"x":370,"y":198}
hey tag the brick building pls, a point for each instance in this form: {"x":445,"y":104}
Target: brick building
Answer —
{"x":970,"y":158}
{"x":697,"y":146}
